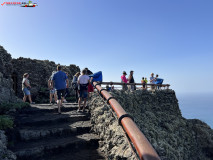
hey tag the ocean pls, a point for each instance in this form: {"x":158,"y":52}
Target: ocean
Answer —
{"x":199,"y":106}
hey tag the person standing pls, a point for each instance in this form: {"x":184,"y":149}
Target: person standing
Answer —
{"x":61,"y":83}
{"x":124,"y":81}
{"x":75,"y":85}
{"x":52,"y":89}
{"x":152,"y":81}
{"x":131,"y":80}
{"x":143,"y":83}
{"x":67,"y":92}
{"x":26,"y":88}
{"x":83,"y":81}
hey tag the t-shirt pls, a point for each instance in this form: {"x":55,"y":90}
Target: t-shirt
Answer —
{"x":23,"y":83}
{"x":75,"y":79}
{"x":59,"y":79}
{"x":152,"y":78}
{"x":83,"y":79}
{"x":123,"y":78}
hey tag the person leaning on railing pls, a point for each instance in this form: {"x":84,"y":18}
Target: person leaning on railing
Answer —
{"x":152,"y":81}
{"x":131,"y":80}
{"x":124,"y":80}
{"x":143,"y":83}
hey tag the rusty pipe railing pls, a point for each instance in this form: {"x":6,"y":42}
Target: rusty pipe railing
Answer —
{"x":140,"y":142}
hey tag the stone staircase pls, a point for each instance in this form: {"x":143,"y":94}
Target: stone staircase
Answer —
{"x":42,"y":134}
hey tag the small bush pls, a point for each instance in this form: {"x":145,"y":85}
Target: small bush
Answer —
{"x":5,"y":122}
{"x":4,"y":107}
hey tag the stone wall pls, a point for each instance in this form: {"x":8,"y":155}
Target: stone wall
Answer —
{"x":39,"y":72}
{"x":158,"y":116}
{"x":6,"y":91}
{"x":113,"y":141}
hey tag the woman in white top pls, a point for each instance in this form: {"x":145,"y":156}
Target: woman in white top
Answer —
{"x":83,"y":81}
{"x":26,"y":88}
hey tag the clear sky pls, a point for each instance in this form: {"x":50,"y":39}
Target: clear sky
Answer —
{"x":173,"y":38}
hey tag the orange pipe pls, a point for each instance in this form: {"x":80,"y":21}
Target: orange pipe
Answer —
{"x":140,"y":142}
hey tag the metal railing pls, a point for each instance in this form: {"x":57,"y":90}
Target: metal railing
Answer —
{"x":143,"y":147}
{"x":139,"y":84}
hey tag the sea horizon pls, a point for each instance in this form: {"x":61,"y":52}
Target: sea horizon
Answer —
{"x":197,"y":106}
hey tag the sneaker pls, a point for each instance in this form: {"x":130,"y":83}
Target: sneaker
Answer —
{"x":78,"y":110}
{"x":32,"y":103}
{"x":65,"y":101}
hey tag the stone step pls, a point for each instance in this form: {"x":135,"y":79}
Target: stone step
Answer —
{"x":54,"y":146}
{"x":65,"y":129}
{"x":81,"y":154}
{"x":44,"y":119}
{"x":38,"y":108}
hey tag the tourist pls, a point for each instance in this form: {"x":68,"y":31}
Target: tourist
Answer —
{"x":158,"y":81}
{"x":67,"y":93}
{"x":146,"y":80}
{"x":152,"y":81}
{"x":83,"y":81}
{"x":124,"y":81}
{"x":26,"y":88}
{"x":143,"y":83}
{"x":90,"y":86}
{"x":75,"y":85}
{"x":61,"y":83}
{"x":131,"y":80}
{"x":52,"y":89}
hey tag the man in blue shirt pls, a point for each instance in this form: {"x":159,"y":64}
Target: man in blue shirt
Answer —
{"x":61,"y":83}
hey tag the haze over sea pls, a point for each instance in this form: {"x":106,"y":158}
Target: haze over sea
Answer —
{"x":197,"y":105}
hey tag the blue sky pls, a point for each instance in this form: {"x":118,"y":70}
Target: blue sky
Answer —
{"x":171,"y":38}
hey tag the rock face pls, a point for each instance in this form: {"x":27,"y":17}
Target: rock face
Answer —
{"x":6,"y":91}
{"x":11,"y":75}
{"x":159,"y":118}
{"x":113,"y":141}
{"x":39,"y":72}
{"x":4,"y":153}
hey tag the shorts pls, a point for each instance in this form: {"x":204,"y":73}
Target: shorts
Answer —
{"x":26,"y":92}
{"x":52,"y":91}
{"x":83,"y":93}
{"x":61,"y":93}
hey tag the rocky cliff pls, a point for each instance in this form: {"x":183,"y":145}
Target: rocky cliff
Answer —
{"x":6,"y":91}
{"x":113,"y":141}
{"x":159,"y":118}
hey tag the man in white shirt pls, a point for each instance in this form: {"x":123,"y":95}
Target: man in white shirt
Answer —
{"x":83,"y":81}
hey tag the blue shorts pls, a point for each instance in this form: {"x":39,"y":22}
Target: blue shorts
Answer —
{"x":83,"y":94}
{"x":61,"y":93}
{"x":52,"y":91}
{"x":26,"y":92}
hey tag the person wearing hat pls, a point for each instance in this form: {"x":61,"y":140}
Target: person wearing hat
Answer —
{"x":124,"y":80}
{"x":131,"y":80}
